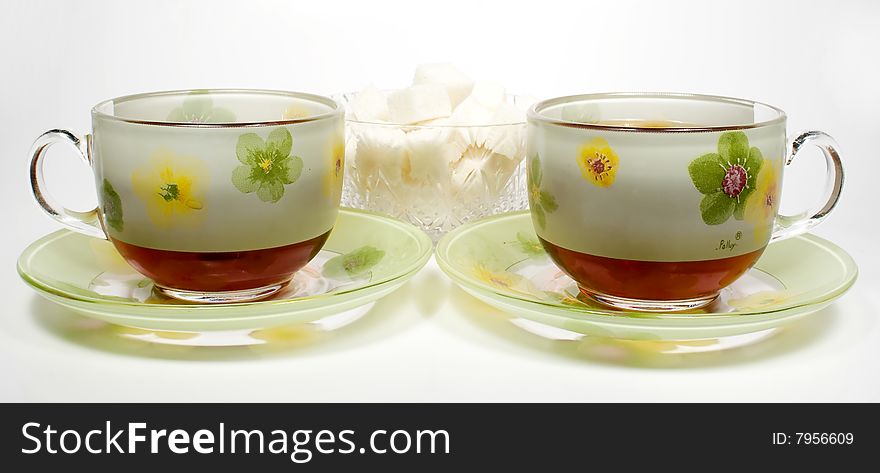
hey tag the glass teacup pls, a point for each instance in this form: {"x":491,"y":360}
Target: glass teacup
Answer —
{"x":656,"y":202}
{"x":216,"y":195}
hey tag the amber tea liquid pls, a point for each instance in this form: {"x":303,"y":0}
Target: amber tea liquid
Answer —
{"x":655,"y":280}
{"x":221,"y":271}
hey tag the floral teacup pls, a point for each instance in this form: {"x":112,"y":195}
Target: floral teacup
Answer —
{"x":656,"y":202}
{"x":216,"y":195}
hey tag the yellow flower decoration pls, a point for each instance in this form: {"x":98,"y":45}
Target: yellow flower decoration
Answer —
{"x":295,"y":111}
{"x":659,"y":347}
{"x":494,"y":278}
{"x":760,"y":300}
{"x":139,"y":332}
{"x":171,"y":187}
{"x":762,"y":204}
{"x":332,"y":179}
{"x":284,"y":334}
{"x":598,"y":162}
{"x":504,"y":280}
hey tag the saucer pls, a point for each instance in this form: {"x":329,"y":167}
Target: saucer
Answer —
{"x":500,"y":261}
{"x":366,"y":257}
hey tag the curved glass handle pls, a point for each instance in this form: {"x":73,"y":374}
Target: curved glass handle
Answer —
{"x":790,"y":225}
{"x":89,"y":222}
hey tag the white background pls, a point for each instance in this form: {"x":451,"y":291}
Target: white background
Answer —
{"x":430,"y":341}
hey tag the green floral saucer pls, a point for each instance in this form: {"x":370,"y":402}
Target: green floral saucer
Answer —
{"x":500,"y":261}
{"x":366,"y":257}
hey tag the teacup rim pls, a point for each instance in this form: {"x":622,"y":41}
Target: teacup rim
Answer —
{"x":534,"y":113}
{"x":336,"y":108}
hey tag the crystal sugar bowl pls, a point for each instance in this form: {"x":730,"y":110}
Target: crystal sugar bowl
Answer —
{"x":436,"y":173}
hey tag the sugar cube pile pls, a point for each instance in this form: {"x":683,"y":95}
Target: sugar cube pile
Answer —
{"x":448,"y":140}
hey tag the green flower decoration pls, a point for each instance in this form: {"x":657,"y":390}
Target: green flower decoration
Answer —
{"x":112,"y":206}
{"x":198,"y":107}
{"x":540,"y":201}
{"x":353,"y":263}
{"x":267,"y":166}
{"x":530,"y":246}
{"x":726,"y":178}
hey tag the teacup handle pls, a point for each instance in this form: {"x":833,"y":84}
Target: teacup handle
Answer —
{"x":790,"y":225}
{"x":89,"y":222}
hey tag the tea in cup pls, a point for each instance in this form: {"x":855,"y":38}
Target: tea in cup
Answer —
{"x":215,"y":195}
{"x":656,"y":202}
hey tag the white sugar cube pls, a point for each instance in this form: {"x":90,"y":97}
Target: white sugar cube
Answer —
{"x":380,"y":155}
{"x":484,"y":169}
{"x":507,"y":136}
{"x":440,"y":122}
{"x":469,"y":118}
{"x":467,"y":175}
{"x":497,"y":171}
{"x":488,"y":94}
{"x":430,"y":155}
{"x":507,"y":113}
{"x":418,"y":103}
{"x":456,"y":83}
{"x":370,"y":105}
{"x":470,"y":113}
